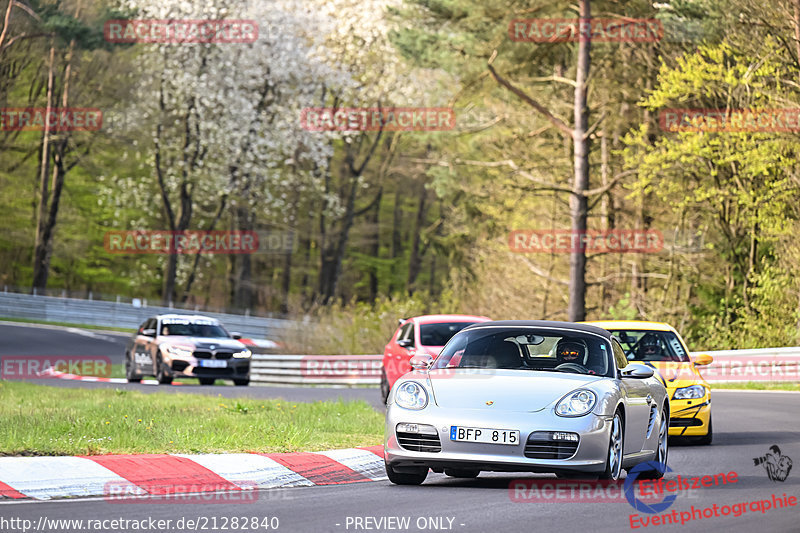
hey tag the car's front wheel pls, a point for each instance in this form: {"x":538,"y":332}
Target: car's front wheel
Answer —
{"x":163,"y":375}
{"x":708,"y":437}
{"x":130,"y":370}
{"x":614,"y":457}
{"x":406,"y":478}
{"x":661,"y":451}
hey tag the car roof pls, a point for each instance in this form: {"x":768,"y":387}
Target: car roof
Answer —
{"x":186,"y":317}
{"x":632,"y":324}
{"x":574,"y":326}
{"x":434,"y":319}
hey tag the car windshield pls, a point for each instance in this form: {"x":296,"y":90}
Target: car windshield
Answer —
{"x":527,"y":349}
{"x":192,"y":329}
{"x":640,"y":345}
{"x":438,"y":334}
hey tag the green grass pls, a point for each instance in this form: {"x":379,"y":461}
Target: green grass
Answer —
{"x":758,"y":385}
{"x":66,"y":324}
{"x":40,"y":420}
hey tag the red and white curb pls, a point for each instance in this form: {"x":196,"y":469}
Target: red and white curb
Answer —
{"x":45,"y":478}
{"x":52,"y":373}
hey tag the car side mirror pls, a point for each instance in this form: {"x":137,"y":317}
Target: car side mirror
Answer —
{"x":236,"y":335}
{"x":703,"y":359}
{"x":637,"y":371}
{"x":149,"y":332}
{"x":405,"y":343}
{"x":421,"y":361}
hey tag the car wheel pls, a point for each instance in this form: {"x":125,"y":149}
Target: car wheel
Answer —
{"x":207,"y":381}
{"x":241,"y":382}
{"x":661,"y":451}
{"x":708,"y":437}
{"x":456,"y":472}
{"x":384,"y":387}
{"x":615,"y":442}
{"x":130,"y":371}
{"x":406,"y":478}
{"x":162,"y":374}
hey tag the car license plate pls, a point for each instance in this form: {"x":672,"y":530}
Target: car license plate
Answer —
{"x":484,"y":435}
{"x":212,"y":363}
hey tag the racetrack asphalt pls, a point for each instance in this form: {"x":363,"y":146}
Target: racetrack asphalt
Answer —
{"x":746,"y":426}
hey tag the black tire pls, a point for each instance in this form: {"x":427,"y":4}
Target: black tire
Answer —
{"x":616,"y":442}
{"x":662,"y":452}
{"x":706,"y":439}
{"x":384,"y":387}
{"x":406,"y":478}
{"x":162,"y":374}
{"x":466,"y":474}
{"x":206,"y":381}
{"x":130,"y":371}
{"x":241,"y":382}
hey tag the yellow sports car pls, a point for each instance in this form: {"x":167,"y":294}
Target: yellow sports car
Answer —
{"x":660,"y":346}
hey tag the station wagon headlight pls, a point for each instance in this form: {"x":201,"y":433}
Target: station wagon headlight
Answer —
{"x":576,"y":403}
{"x":411,"y":395}
{"x":689,"y":393}
{"x":179,"y":351}
{"x":244,"y":354}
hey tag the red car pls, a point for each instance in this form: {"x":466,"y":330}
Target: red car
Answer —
{"x":417,"y":335}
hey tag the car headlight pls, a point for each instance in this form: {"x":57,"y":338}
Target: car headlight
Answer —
{"x":689,"y":393}
{"x":411,"y":396}
{"x":179,"y":351}
{"x":576,"y":403}
{"x":244,"y":354}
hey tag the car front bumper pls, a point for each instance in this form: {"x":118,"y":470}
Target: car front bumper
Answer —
{"x":191,"y":367}
{"x":690,"y":418}
{"x":590,"y":456}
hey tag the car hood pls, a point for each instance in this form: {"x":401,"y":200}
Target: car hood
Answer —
{"x":507,"y":390}
{"x":204,"y":343}
{"x":677,"y":375}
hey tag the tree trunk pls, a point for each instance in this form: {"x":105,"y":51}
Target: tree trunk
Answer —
{"x":578,"y":205}
{"x":415,"y":258}
{"x":373,"y":221}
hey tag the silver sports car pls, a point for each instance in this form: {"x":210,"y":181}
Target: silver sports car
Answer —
{"x":526,"y":396}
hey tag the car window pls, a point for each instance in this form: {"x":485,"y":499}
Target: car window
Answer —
{"x":439,"y":333}
{"x":520,"y":348}
{"x":645,"y":345}
{"x":403,"y":331}
{"x":191,"y":328}
{"x":619,"y":355}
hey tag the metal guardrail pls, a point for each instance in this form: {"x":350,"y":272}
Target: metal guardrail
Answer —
{"x":125,"y":315}
{"x":765,"y":364}
{"x":316,"y":369}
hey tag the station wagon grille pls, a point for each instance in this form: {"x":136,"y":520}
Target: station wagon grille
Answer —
{"x":542,"y":445}
{"x":419,"y":442}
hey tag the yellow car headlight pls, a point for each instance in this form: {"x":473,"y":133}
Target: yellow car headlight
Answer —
{"x":689,"y":393}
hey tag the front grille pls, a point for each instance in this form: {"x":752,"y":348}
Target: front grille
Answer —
{"x":202,"y":355}
{"x":541,"y":445}
{"x":223,"y":355}
{"x":213,"y":355}
{"x":684,"y":422}
{"x":419,"y":442}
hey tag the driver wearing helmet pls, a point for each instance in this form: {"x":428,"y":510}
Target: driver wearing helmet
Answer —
{"x":648,"y":348}
{"x":571,"y":352}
